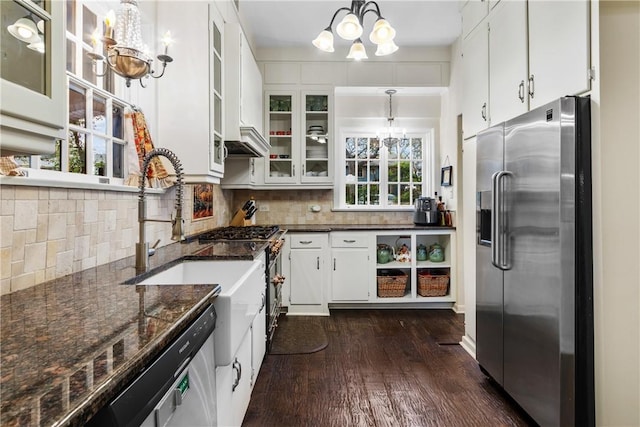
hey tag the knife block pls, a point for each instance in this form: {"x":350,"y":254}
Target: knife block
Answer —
{"x":238,"y":219}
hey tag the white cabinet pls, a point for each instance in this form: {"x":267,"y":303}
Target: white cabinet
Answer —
{"x":33,"y":84}
{"x":559,"y":49}
{"x":508,"y":61}
{"x":190,"y":116}
{"x":258,"y":340}
{"x":308,"y":253}
{"x":473,"y":12}
{"x":350,"y":266}
{"x":233,"y":385}
{"x":475,"y":81}
{"x":299,"y":124}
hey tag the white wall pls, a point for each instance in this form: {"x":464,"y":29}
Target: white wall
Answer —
{"x":616,"y":156}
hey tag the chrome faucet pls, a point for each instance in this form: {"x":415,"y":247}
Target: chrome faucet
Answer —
{"x":142,"y":247}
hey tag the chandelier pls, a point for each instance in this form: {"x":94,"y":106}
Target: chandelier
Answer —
{"x":350,"y":28}
{"x":126,"y":53}
{"x":391,"y":131}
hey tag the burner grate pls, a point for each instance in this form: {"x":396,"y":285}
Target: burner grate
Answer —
{"x":252,"y":232}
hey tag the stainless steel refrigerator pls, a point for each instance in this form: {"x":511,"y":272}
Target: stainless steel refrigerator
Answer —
{"x":534,"y":261}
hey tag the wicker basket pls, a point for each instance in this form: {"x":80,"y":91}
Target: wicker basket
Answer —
{"x":392,"y":283}
{"x":433,"y":285}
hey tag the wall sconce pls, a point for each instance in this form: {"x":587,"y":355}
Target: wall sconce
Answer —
{"x":126,"y":54}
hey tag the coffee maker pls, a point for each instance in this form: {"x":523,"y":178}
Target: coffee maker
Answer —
{"x":426,"y":211}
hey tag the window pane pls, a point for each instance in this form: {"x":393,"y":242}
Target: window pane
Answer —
{"x":118,"y":160}
{"x":117,"y":121}
{"x":71,"y":16}
{"x":99,"y":156}
{"x":416,"y":144}
{"x":362,"y":171}
{"x":392,"y":194}
{"x":350,"y":171}
{"x":89,"y":24}
{"x":405,"y":149}
{"x":350,"y":147}
{"x":71,"y":56}
{"x":77,"y":152}
{"x":417,"y":191}
{"x":362,"y":195}
{"x":350,"y":194}
{"x":416,"y":171}
{"x":88,"y":70}
{"x":375,"y":148}
{"x":217,"y":74}
{"x":362,"y":148}
{"x":217,"y":111}
{"x":23,"y":161}
{"x":405,"y":195}
{"x":217,"y":40}
{"x":99,"y":122}
{"x":405,"y":171}
{"x":77,"y":106}
{"x":393,"y":149}
{"x":374,"y":171}
{"x":52,"y":161}
{"x":393,"y":171}
{"x":374,"y":193}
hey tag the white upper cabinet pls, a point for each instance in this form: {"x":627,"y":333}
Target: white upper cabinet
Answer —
{"x":473,"y":12}
{"x":475,"y":81}
{"x":250,"y":87}
{"x":508,"y":61}
{"x":559,"y":48}
{"x":33,"y":83}
{"x":190,"y":96}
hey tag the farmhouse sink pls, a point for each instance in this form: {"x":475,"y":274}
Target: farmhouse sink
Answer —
{"x":240,"y":299}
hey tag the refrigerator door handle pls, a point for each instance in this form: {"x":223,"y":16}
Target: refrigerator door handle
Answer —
{"x":494,"y":220}
{"x":502,"y":259}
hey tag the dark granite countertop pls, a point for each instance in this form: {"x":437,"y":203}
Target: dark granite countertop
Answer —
{"x":324,"y":228}
{"x":70,"y":344}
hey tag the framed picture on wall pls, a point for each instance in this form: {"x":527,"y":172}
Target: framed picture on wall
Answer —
{"x":446,"y":176}
{"x":202,"y":201}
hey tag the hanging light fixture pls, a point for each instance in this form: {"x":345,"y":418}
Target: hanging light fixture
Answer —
{"x":350,"y":28}
{"x":126,"y":52}
{"x":390,"y":130}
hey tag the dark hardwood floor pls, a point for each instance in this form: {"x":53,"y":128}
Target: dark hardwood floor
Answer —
{"x":381,"y":368}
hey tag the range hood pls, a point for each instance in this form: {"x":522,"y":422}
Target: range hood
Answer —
{"x":251,"y":143}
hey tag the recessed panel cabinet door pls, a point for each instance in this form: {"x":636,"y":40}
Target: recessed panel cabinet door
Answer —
{"x":306,"y":276}
{"x":475,"y":76}
{"x":349,"y":274}
{"x":559,"y":48}
{"x":508,"y":61}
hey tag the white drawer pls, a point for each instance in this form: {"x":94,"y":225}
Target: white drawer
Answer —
{"x":349,"y":240}
{"x":306,"y":241}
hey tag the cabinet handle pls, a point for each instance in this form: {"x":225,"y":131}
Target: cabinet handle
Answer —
{"x":253,"y":167}
{"x":225,"y":151}
{"x":264,"y":303}
{"x":237,"y":366}
{"x":334,"y":264}
{"x":305,"y":242}
{"x":521,"y":91}
{"x":303,"y":169}
{"x":531,"y":86}
{"x":348,"y":241}
{"x":318,"y":263}
{"x":483,"y":112}
{"x":293,"y":167}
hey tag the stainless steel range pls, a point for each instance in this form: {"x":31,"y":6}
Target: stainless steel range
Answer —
{"x":256,"y":236}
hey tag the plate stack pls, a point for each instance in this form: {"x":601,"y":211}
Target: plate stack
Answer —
{"x":316,"y":130}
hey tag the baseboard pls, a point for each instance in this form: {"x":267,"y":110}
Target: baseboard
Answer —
{"x":458,"y":308}
{"x":469,"y":345}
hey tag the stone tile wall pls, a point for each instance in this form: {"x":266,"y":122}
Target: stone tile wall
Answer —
{"x":47,"y":233}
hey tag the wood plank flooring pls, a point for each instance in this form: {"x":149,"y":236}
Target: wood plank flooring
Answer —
{"x":381,"y":368}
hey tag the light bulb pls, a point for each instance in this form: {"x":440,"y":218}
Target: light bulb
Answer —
{"x":324,"y":41}
{"x":382,"y":32}
{"x":349,"y":28}
{"x":357,"y":51}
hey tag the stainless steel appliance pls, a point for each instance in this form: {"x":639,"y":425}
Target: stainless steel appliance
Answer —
{"x":534,"y":261}
{"x":177,"y":389}
{"x":253,"y":235}
{"x":425,"y":211}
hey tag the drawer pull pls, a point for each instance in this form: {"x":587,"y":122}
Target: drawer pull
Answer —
{"x":305,"y":242}
{"x":348,"y":241}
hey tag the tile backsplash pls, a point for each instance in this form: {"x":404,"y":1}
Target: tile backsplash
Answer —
{"x":47,"y":233}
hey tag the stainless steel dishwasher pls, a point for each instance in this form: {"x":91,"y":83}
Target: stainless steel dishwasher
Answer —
{"x":177,"y":389}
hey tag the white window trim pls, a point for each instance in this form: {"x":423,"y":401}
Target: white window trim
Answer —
{"x":339,"y":205}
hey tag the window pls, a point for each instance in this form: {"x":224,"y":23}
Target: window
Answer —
{"x":384,"y":173}
{"x":95,"y":143}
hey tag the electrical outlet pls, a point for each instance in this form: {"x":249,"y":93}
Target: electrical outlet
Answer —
{"x":263,"y":207}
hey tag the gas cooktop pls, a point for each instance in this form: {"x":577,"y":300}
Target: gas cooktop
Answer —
{"x":251,"y":232}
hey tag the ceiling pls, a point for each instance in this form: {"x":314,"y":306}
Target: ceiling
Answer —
{"x":294,"y":23}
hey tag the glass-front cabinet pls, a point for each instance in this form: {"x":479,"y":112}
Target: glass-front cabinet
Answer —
{"x":281,"y":124}
{"x":315,"y":143}
{"x":299,"y":127}
{"x":217,"y":149}
{"x":32,"y":76}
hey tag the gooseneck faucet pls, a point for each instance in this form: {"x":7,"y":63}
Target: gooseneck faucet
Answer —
{"x":142,"y":247}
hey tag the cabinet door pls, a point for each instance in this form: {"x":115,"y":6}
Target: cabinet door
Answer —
{"x":473,"y":13}
{"x":558,"y":49}
{"x":508,"y":61}
{"x":475,"y":76}
{"x":306,"y":276}
{"x":259,"y":341}
{"x":349,"y":274}
{"x":281,"y":127}
{"x":217,"y":150}
{"x":316,"y":140}
{"x":250,"y":87}
{"x":241,"y":372}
